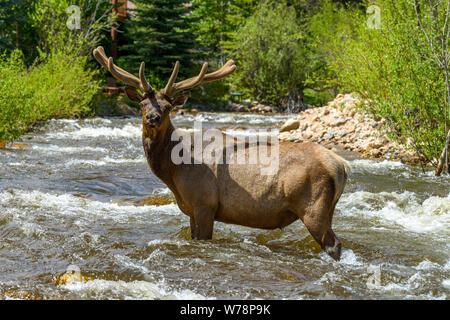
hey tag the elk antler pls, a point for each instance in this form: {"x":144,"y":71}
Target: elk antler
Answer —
{"x":121,"y":74}
{"x":172,"y":87}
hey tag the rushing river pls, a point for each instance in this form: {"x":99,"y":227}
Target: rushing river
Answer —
{"x":83,"y":196}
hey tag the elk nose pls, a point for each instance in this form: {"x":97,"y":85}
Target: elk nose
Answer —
{"x":153,"y":118}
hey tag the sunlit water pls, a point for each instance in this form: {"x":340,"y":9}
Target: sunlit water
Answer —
{"x":82,"y":195}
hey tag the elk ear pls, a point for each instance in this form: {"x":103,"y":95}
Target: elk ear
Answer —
{"x":180,"y":100}
{"x":133,"y":94}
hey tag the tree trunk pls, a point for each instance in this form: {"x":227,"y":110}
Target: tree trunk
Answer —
{"x":443,"y":157}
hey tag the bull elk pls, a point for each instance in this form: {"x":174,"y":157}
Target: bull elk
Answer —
{"x":308,"y":184}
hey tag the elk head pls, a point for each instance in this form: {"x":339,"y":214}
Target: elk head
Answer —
{"x":156,"y":106}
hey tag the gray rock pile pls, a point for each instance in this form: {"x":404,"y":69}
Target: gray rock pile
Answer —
{"x":339,"y":124}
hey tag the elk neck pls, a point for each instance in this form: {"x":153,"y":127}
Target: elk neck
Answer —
{"x":158,"y":147}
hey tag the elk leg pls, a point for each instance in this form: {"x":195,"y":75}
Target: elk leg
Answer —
{"x":202,"y":223}
{"x":317,"y":220}
{"x":321,"y":232}
{"x":192,"y":223}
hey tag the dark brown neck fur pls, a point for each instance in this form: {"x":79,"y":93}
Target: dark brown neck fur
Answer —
{"x":158,"y":147}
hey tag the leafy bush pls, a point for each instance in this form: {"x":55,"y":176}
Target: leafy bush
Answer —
{"x":392,"y":67}
{"x":51,"y":22}
{"x":317,"y":98}
{"x":15,"y":109}
{"x":59,"y":87}
{"x":270,"y":53}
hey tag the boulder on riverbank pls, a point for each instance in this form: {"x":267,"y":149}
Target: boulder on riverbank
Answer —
{"x":340,"y":123}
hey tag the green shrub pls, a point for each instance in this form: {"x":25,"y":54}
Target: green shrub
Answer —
{"x":15,"y":98}
{"x":62,"y":86}
{"x":270,"y":54}
{"x":317,"y":98}
{"x":59,"y":87}
{"x":392,"y":67}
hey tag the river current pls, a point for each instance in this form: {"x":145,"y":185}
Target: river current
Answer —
{"x":82,"y":197}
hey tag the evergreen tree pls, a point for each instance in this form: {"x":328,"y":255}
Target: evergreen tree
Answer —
{"x":15,"y":28}
{"x":159,"y":35}
{"x":217,"y":23}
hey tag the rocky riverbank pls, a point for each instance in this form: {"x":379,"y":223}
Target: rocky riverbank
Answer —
{"x":338,"y":124}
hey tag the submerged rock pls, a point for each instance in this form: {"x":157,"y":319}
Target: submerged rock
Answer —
{"x":20,"y":146}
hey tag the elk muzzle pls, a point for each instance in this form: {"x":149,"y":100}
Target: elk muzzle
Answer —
{"x":152,"y":119}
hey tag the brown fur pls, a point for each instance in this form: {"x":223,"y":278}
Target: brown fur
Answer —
{"x":307,"y":186}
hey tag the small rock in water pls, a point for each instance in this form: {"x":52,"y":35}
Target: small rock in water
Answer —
{"x":19,"y":295}
{"x":20,"y":146}
{"x":68,"y":277}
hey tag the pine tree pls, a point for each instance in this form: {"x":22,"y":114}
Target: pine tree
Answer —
{"x":15,"y":28}
{"x":217,"y":23}
{"x":159,"y":35}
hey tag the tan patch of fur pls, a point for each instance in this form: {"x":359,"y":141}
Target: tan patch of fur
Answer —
{"x":337,"y":167}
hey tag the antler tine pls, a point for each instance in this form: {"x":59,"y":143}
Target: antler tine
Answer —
{"x":172,"y":88}
{"x":123,"y":76}
{"x":144,"y":83}
{"x":120,"y":74}
{"x":192,"y":82}
{"x":101,"y":57}
{"x":169,"y":86}
{"x":226,"y":70}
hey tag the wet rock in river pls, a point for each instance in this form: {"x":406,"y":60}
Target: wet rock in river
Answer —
{"x":20,"y":146}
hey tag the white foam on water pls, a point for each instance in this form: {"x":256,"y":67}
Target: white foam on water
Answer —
{"x":427,"y":265}
{"x":249,"y":133}
{"x":377,"y":167}
{"x":67,"y":204}
{"x":104,"y":161}
{"x":97,"y":120}
{"x":348,"y":258}
{"x":156,"y":242}
{"x":162,"y":191}
{"x":57,"y":149}
{"x":446,"y":283}
{"x":138,"y":289}
{"x":397,"y":168}
{"x":413,"y":283}
{"x":17,"y":164}
{"x":127,"y":131}
{"x":80,"y":122}
{"x":127,"y":262}
{"x":400,"y":209}
{"x":447,"y":266}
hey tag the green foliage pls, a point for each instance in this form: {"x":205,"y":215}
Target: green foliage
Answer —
{"x":317,"y":98}
{"x":269,"y":53}
{"x":393,"y":67}
{"x":216,"y":22}
{"x":59,"y":88}
{"x":16,"y":29}
{"x":51,"y":20}
{"x":214,"y":25}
